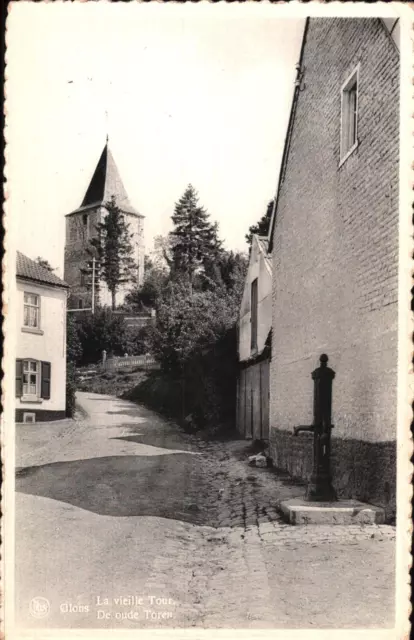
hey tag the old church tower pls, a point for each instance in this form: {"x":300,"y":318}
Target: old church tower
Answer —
{"x":81,"y":227}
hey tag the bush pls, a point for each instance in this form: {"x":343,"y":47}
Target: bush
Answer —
{"x":205,"y":389}
{"x":194,"y":340}
{"x":71,"y":387}
{"x":98,"y":332}
{"x":108,"y":375}
{"x":73,"y":355}
{"x":137,"y":341}
{"x":187,"y":325}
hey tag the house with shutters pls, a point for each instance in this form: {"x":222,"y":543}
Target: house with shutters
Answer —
{"x":40,"y":343}
{"x":254,"y":348}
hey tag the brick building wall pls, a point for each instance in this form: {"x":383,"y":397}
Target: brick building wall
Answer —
{"x":335,"y":264}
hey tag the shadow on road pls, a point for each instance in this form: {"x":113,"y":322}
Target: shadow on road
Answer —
{"x":123,"y":412}
{"x":103,"y":398}
{"x":167,"y":486}
{"x":149,"y":433}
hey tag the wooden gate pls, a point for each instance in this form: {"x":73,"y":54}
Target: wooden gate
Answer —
{"x":253,"y":401}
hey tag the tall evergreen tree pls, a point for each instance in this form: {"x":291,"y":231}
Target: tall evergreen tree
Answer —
{"x":261,"y":227}
{"x":194,"y":239}
{"x":114,"y":249}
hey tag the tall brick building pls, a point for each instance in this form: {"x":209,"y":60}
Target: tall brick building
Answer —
{"x":334,"y":240}
{"x":81,"y":227}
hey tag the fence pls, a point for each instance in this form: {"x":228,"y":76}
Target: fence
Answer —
{"x":146,"y":362}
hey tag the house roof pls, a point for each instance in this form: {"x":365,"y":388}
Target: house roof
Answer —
{"x":263,"y":243}
{"x":105,"y":183}
{"x":392,"y":27}
{"x":28,"y":269}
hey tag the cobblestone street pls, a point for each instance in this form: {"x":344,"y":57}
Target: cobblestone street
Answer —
{"x":150,"y":527}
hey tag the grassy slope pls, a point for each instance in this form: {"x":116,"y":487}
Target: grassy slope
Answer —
{"x":115,"y":383}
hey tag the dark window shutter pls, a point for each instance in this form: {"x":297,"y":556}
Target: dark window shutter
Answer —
{"x":19,"y":378}
{"x":45,"y":386}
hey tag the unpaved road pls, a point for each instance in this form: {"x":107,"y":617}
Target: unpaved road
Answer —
{"x":124,"y":521}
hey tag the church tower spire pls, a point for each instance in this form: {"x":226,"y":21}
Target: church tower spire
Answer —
{"x":83,"y":223}
{"x":105,"y":183}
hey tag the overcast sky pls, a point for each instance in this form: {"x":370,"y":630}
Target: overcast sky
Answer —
{"x":191,"y":95}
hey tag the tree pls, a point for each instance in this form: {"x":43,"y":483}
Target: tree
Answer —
{"x":44,"y":263}
{"x":227,"y":270}
{"x":114,"y":250}
{"x":137,"y":340}
{"x":162,"y":256}
{"x":261,"y":227}
{"x":194,"y":239}
{"x":149,"y":294}
{"x":148,"y":263}
{"x":233,"y":269}
{"x":194,"y":340}
{"x":188,"y":324}
{"x":98,"y":332}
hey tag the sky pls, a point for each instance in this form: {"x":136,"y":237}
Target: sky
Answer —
{"x":186,"y":93}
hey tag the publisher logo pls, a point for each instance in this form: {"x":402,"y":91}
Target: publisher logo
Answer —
{"x":39,"y":607}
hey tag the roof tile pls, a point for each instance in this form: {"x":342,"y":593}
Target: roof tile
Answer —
{"x":31,"y":270}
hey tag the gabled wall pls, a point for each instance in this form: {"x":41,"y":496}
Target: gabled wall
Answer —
{"x":260,"y":270}
{"x":335,"y":265}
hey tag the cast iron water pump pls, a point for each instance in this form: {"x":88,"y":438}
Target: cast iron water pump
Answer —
{"x":320,"y":487}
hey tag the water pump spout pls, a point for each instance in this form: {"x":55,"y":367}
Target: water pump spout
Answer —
{"x":297,"y":430}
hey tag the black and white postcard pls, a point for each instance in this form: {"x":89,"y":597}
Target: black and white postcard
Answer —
{"x":207,"y":373}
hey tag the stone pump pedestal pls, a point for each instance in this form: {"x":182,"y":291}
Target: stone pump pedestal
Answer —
{"x":320,"y":488}
{"x":320,"y":505}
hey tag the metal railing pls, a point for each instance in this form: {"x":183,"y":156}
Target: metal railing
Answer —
{"x":145,"y":361}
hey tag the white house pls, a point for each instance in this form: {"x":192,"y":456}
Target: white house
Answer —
{"x":255,"y":323}
{"x":41,"y":343}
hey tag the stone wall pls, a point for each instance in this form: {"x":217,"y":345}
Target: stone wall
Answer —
{"x":78,"y":236}
{"x":335,"y":265}
{"x":361,"y":470}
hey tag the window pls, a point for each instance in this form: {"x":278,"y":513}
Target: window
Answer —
{"x":254,"y":306}
{"x":85,"y":226}
{"x":73,"y":231}
{"x":349,"y":116}
{"x":33,"y":379}
{"x":31,"y":317}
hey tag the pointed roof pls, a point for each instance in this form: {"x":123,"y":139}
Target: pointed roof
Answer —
{"x":105,"y":183}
